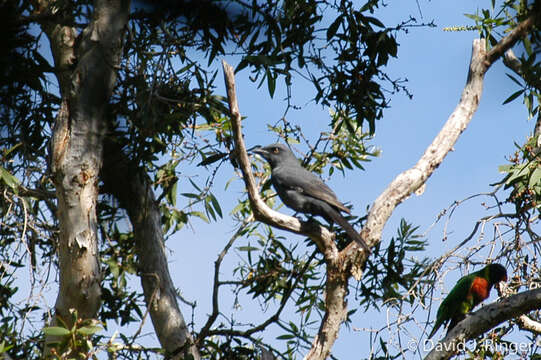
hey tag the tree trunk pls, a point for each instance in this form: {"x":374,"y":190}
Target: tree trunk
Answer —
{"x":137,"y":197}
{"x":336,"y":290}
{"x":76,"y":149}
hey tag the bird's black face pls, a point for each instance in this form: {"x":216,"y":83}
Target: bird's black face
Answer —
{"x":497,"y":273}
{"x":274,"y":153}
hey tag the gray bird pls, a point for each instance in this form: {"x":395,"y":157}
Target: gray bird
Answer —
{"x":303,"y":191}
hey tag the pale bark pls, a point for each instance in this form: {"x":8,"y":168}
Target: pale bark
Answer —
{"x":336,"y":290}
{"x":525,"y":323}
{"x":483,"y":320}
{"x":131,"y":186}
{"x":410,"y":180}
{"x":86,"y":75}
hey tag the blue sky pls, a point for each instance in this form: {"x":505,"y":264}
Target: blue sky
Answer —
{"x":435,"y":63}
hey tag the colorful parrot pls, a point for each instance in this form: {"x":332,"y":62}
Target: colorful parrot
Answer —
{"x":468,"y":292}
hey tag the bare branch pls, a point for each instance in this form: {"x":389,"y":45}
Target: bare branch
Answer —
{"x":336,"y":290}
{"x":410,"y":180}
{"x":215,"y":291}
{"x":273,"y":318}
{"x":512,"y":61}
{"x":36,"y":193}
{"x":525,"y":323}
{"x":507,"y":42}
{"x":485,"y":319}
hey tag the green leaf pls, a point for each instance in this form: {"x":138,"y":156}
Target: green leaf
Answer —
{"x":517,"y":173}
{"x":505,"y":168}
{"x":247,"y":248}
{"x":113,"y":267}
{"x":56,"y":331}
{"x":473,"y":17}
{"x":212,"y":159}
{"x":6,"y":153}
{"x":514,"y":80}
{"x":9,"y":179}
{"x":200,"y":215}
{"x":4,"y":348}
{"x":89,"y":330}
{"x":374,"y":21}
{"x":216,"y":205}
{"x":172,"y":194}
{"x":515,"y":95}
{"x":333,"y":28}
{"x":191,"y":195}
{"x":271,"y":83}
{"x":535,"y":178}
{"x":194,"y":185}
{"x":209,"y":209}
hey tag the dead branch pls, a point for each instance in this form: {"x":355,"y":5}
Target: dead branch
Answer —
{"x":525,"y":323}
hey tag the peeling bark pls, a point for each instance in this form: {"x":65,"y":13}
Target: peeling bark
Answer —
{"x":76,"y":149}
{"x":137,"y":197}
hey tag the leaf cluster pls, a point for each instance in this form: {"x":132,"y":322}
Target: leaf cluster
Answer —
{"x":75,"y":341}
{"x":392,"y":272}
{"x":523,"y":176}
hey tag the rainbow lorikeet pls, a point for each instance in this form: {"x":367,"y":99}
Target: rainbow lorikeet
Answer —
{"x":468,"y":292}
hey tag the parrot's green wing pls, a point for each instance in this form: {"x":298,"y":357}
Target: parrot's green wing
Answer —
{"x":457,"y":302}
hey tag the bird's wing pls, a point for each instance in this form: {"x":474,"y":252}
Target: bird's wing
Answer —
{"x":306,"y":182}
{"x":457,"y":301}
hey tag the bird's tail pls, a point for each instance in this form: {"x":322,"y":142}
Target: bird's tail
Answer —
{"x":350,"y":231}
{"x":434,"y":329}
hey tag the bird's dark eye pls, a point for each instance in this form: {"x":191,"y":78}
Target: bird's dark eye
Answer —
{"x":275,"y":150}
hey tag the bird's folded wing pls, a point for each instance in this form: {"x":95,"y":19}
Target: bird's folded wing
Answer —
{"x":311,"y":185}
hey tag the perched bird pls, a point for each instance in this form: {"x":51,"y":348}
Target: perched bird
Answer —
{"x":303,"y":191}
{"x":468,"y":292}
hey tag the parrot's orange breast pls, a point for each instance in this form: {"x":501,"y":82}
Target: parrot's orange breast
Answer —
{"x":480,"y":288}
